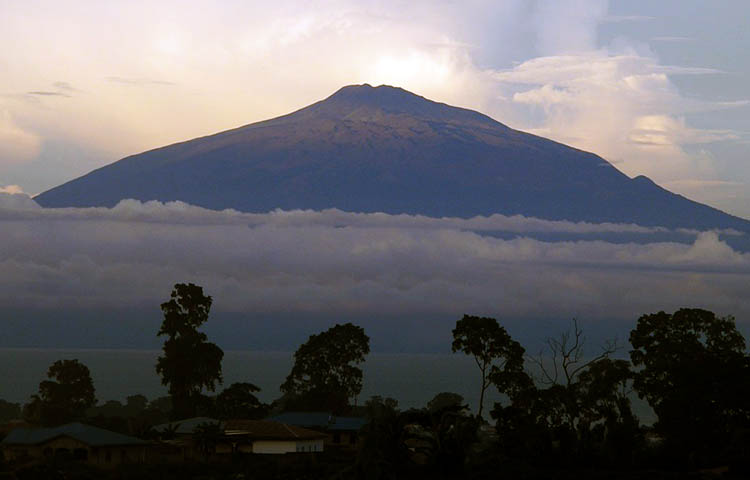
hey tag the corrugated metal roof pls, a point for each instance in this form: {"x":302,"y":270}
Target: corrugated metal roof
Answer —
{"x":304,"y":419}
{"x":347,"y":424}
{"x":92,"y":436}
{"x":186,"y":426}
{"x":269,"y":430}
{"x":320,"y":420}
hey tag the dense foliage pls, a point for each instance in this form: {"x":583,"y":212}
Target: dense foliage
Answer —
{"x":694,"y":372}
{"x":567,"y":416}
{"x":190,"y":363}
{"x":65,"y":396}
{"x":325,"y":375}
{"x":494,"y":351}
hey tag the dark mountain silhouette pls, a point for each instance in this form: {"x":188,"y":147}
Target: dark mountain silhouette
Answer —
{"x":370,"y":149}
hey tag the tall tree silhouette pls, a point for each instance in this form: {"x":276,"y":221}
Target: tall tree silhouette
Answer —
{"x":239,"y":401}
{"x":65,"y":396}
{"x":190,"y":363}
{"x":491,"y":346}
{"x":325,"y":374}
{"x":695,"y":375}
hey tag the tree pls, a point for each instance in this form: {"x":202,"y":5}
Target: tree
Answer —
{"x":9,"y":411}
{"x":190,"y":363}
{"x":239,"y":401}
{"x":66,"y":396}
{"x":206,"y":436}
{"x":445,"y":400}
{"x":694,"y":374}
{"x":491,"y":346}
{"x":604,"y":389}
{"x":383,"y":455}
{"x":568,"y":359}
{"x":325,"y":375}
{"x":570,"y":401}
{"x":135,"y":404}
{"x":577,"y":404}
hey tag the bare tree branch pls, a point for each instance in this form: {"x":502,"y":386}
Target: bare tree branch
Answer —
{"x":566,"y":353}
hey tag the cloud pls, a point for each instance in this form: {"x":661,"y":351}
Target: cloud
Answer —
{"x":182,"y":213}
{"x":674,"y":39}
{"x":332,"y":262}
{"x":65,"y":86}
{"x":12,"y":198}
{"x":622,"y":106}
{"x":627,"y":18}
{"x":661,"y":130}
{"x":16,"y":144}
{"x":11,"y":189}
{"x":43,"y":93}
{"x":700,"y":183}
{"x":138,"y":81}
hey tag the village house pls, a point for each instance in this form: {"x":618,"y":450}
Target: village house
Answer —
{"x":269,"y":437}
{"x":340,"y":432}
{"x":74,"y":441}
{"x":178,"y":440}
{"x":202,"y":437}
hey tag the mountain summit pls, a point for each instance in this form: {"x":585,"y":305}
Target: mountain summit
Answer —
{"x":368,"y":149}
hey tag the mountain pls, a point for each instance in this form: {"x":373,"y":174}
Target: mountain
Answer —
{"x":368,"y":149}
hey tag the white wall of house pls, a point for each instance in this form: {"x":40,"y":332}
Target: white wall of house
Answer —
{"x":310,"y":445}
{"x":287,"y":446}
{"x":102,"y":456}
{"x":274,"y":446}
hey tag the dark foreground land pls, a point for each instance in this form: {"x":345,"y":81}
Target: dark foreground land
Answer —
{"x":335,"y":465}
{"x":572,"y":421}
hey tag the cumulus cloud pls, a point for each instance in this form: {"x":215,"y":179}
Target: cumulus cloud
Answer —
{"x":180,"y":212}
{"x":13,"y":199}
{"x":16,"y":144}
{"x":661,"y":130}
{"x":11,"y":189}
{"x":340,"y":263}
{"x":623,"y":106}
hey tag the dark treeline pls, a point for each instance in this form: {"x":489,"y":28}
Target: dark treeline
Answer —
{"x":566,"y":412}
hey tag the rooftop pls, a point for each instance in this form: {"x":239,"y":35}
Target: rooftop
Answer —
{"x":320,"y":420}
{"x":92,"y":436}
{"x":186,"y":426}
{"x":269,"y":430}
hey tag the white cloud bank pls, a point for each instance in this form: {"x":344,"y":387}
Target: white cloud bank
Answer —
{"x":336,"y":262}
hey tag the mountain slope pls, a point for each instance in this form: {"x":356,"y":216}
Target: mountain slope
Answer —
{"x":384,"y":149}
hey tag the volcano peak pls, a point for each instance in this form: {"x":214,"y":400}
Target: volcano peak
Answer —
{"x":384,"y":149}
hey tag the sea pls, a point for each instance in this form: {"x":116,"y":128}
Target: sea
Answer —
{"x":411,"y":379}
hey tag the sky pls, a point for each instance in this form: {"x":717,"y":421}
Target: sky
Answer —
{"x":656,"y":88}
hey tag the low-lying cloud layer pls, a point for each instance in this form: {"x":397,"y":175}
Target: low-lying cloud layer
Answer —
{"x":343,"y":263}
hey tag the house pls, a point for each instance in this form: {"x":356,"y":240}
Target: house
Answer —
{"x":340,"y":431}
{"x":203,"y":437}
{"x":270,"y":437}
{"x":179,"y":442}
{"x":11,"y":425}
{"x":75,"y":441}
{"x":184,"y":427}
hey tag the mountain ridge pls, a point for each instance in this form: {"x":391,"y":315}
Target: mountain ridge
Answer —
{"x":383,"y":148}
